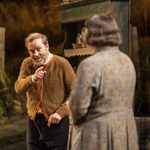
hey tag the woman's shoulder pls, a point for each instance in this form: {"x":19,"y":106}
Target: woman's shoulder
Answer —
{"x":92,"y":60}
{"x":89,"y":63}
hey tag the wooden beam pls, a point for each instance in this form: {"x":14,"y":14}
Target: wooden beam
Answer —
{"x":2,"y":49}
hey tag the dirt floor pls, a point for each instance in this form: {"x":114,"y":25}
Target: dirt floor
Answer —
{"x":12,"y":133}
{"x":19,"y":145}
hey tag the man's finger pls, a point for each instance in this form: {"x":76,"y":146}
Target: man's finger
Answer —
{"x":39,"y":69}
{"x":49,"y":122}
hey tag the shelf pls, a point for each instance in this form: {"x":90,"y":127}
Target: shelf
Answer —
{"x":78,"y":52}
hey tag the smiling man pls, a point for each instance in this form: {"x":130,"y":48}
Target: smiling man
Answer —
{"x":46,"y":79}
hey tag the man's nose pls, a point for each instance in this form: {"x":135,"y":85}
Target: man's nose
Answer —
{"x":36,"y":53}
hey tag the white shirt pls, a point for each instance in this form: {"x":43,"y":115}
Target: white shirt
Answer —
{"x":50,"y":57}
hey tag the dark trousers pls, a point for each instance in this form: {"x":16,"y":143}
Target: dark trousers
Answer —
{"x":42,"y":137}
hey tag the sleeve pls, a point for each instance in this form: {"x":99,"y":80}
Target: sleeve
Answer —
{"x":81,"y":94}
{"x":24,"y":80}
{"x":68,"y":77}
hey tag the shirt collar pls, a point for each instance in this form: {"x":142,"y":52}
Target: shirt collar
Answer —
{"x":49,"y":58}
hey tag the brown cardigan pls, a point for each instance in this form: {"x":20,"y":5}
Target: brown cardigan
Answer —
{"x":55,"y":87}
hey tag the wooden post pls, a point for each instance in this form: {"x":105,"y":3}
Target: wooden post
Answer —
{"x":2,"y":49}
{"x":134,"y":55}
{"x":134,"y":47}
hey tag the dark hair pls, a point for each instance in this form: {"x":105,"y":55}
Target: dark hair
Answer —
{"x":102,"y":31}
{"x":34,"y":36}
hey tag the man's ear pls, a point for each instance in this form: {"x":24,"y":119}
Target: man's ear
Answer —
{"x":47,"y":46}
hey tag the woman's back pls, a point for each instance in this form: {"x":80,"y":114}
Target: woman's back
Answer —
{"x":103,"y":104}
{"x":113,"y":80}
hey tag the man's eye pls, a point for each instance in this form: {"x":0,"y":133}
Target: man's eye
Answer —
{"x":31,"y":52}
{"x":39,"y":49}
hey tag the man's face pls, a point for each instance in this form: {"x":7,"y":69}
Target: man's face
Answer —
{"x":38,"y":51}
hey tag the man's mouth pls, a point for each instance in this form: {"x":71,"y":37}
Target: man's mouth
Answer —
{"x":37,"y":59}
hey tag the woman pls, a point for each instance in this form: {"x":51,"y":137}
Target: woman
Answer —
{"x":102,"y":95}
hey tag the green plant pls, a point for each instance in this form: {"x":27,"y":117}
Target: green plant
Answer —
{"x":7,"y":95}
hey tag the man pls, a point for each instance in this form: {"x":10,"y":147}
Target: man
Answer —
{"x":46,"y":79}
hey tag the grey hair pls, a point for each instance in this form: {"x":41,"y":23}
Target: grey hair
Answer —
{"x":34,"y":36}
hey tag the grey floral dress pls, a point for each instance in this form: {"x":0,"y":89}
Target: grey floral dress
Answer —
{"x":101,"y":103}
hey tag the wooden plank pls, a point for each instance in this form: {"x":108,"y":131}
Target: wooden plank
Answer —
{"x":134,"y":55}
{"x":2,"y":49}
{"x":76,"y":3}
{"x":134,"y":46}
{"x":121,"y":10}
{"x":134,"y":49}
{"x":84,"y":11}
